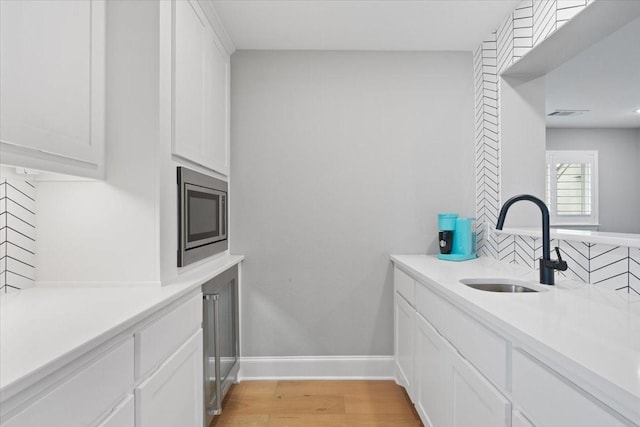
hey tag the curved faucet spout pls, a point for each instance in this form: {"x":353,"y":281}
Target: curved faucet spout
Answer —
{"x":546,"y":244}
{"x":547,"y":266}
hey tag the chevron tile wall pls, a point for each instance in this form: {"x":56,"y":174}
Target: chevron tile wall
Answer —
{"x":487,"y":159}
{"x":609,"y":266}
{"x":17,"y":234}
{"x":613,"y":267}
{"x":577,"y":256}
{"x":529,"y":24}
{"x":634,"y":269}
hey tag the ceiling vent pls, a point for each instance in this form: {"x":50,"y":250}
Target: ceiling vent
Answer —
{"x":566,"y":113}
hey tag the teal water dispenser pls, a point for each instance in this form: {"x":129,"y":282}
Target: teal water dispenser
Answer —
{"x":456,"y":238}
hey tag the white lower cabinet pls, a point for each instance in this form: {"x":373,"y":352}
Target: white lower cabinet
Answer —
{"x":99,"y":389}
{"x":122,"y":415}
{"x":519,"y":420}
{"x":170,"y":397}
{"x":475,"y":401}
{"x":449,"y":391}
{"x":86,"y":396}
{"x":404,"y":324}
{"x":550,"y":400}
{"x":463,"y":371}
{"x":432,"y":376}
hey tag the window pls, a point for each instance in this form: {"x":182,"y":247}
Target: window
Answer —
{"x":572,"y":187}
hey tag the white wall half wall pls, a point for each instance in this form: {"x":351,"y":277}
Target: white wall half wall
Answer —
{"x":338,"y":160}
{"x":618,"y":172}
{"x":522,"y":144}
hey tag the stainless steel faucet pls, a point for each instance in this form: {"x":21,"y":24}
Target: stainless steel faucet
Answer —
{"x":547,"y":265}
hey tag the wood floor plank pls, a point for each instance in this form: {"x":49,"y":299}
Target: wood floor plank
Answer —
{"x":359,"y":404}
{"x":251,"y":388}
{"x":248,"y":405}
{"x":344,"y":420}
{"x":385,"y":420}
{"x":339,"y":387}
{"x":231,"y":419}
{"x":297,"y":420}
{"x":318,"y":404}
{"x":308,"y":404}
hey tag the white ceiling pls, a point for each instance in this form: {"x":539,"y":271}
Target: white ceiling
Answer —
{"x":361,"y":24}
{"x":604,"y":79}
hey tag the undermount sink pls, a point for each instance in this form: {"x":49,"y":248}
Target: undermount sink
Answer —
{"x":501,"y":285}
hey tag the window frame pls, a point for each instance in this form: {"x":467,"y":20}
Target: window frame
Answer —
{"x":554,"y":157}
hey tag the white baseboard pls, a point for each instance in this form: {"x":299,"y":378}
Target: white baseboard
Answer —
{"x":317,"y":367}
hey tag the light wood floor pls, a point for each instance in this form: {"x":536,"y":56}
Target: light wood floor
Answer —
{"x":317,"y":404}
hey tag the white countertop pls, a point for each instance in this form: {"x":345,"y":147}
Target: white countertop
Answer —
{"x":45,"y":327}
{"x":592,"y":334}
{"x":607,"y":238}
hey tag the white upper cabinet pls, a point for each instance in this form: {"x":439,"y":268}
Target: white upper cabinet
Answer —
{"x":52,"y":85}
{"x":200,"y":90}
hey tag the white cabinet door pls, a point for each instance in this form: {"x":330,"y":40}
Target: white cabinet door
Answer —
{"x":548,"y":399}
{"x":432,"y":386}
{"x":404,"y":336}
{"x":475,"y":402}
{"x":173,"y":395}
{"x":448,"y":390}
{"x":219,"y":101}
{"x":191,"y":72}
{"x":519,"y":420}
{"x":88,"y":395}
{"x":201,"y":90}
{"x":159,"y":340}
{"x":52,"y":85}
{"x":404,"y":285}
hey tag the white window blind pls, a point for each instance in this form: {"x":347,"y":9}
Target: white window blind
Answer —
{"x":571,"y":187}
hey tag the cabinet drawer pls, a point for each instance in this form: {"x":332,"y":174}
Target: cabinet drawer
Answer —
{"x":483,"y":348}
{"x":86,"y":396}
{"x":551,"y":400}
{"x":122,"y":416}
{"x":157,"y":341}
{"x":173,"y":395}
{"x":405,"y":285}
{"x":476,"y":402}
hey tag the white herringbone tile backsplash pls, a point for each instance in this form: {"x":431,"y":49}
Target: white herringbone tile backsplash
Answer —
{"x":17,"y":234}
{"x":613,"y":267}
{"x":529,"y":24}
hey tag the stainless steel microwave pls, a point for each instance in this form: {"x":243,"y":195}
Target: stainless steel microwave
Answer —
{"x":202,"y":216}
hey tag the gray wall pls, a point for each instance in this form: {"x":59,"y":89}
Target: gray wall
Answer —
{"x":338,"y":160}
{"x":618,"y":170}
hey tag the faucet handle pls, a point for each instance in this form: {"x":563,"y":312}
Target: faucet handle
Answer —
{"x":557,"y":249}
{"x":560,"y":264}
